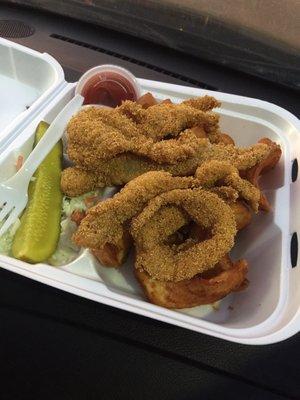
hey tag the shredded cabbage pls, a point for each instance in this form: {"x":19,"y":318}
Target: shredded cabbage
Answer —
{"x":6,"y":240}
{"x":71,"y":204}
{"x":66,"y":250}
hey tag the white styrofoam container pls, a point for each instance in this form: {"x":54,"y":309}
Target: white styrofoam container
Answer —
{"x":269,"y":310}
{"x":28,"y":80}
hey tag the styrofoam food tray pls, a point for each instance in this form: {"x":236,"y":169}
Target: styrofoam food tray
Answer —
{"x":28,"y":80}
{"x":269,"y":310}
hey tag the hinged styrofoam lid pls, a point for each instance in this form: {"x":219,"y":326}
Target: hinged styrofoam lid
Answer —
{"x":28,"y":81}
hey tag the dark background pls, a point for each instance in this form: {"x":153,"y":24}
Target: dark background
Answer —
{"x":54,"y":345}
{"x":257,"y":37}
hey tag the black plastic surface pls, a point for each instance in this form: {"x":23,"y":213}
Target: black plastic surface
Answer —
{"x":55,"y":337}
{"x":11,"y":29}
{"x":294,"y":249}
{"x":295,"y":170}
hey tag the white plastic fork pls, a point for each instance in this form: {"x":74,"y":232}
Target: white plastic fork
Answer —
{"x":13,"y":192}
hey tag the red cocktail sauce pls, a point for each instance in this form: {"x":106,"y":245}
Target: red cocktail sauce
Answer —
{"x":109,"y":89}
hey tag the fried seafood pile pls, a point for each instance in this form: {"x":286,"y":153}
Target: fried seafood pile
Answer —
{"x":113,"y":146}
{"x":188,"y":191}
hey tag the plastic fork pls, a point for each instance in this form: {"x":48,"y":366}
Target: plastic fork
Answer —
{"x":13,"y":192}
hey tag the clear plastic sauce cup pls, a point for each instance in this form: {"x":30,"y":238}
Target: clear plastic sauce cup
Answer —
{"x":108,"y":85}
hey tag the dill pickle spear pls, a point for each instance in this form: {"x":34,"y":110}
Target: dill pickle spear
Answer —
{"x":37,"y":236}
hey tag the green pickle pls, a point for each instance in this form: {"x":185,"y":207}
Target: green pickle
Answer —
{"x":38,"y":234}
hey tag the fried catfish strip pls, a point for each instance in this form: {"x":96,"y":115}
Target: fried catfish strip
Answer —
{"x":98,"y":230}
{"x":105,"y":224}
{"x":125,"y":167}
{"x":150,"y":231}
{"x":168,"y":119}
{"x":94,"y":135}
{"x":212,"y":172}
{"x":266,"y":164}
{"x":205,"y":103}
{"x":92,"y":140}
{"x":204,"y":288}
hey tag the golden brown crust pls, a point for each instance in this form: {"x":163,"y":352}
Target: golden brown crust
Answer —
{"x":105,"y":223}
{"x":163,"y":119}
{"x":76,"y":181}
{"x":113,"y":146}
{"x":211,"y":173}
{"x":182,"y":227}
{"x":253,"y":174}
{"x":152,"y":226}
{"x":205,"y":103}
{"x":125,"y":167}
{"x":90,"y":143}
{"x":97,"y":134}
